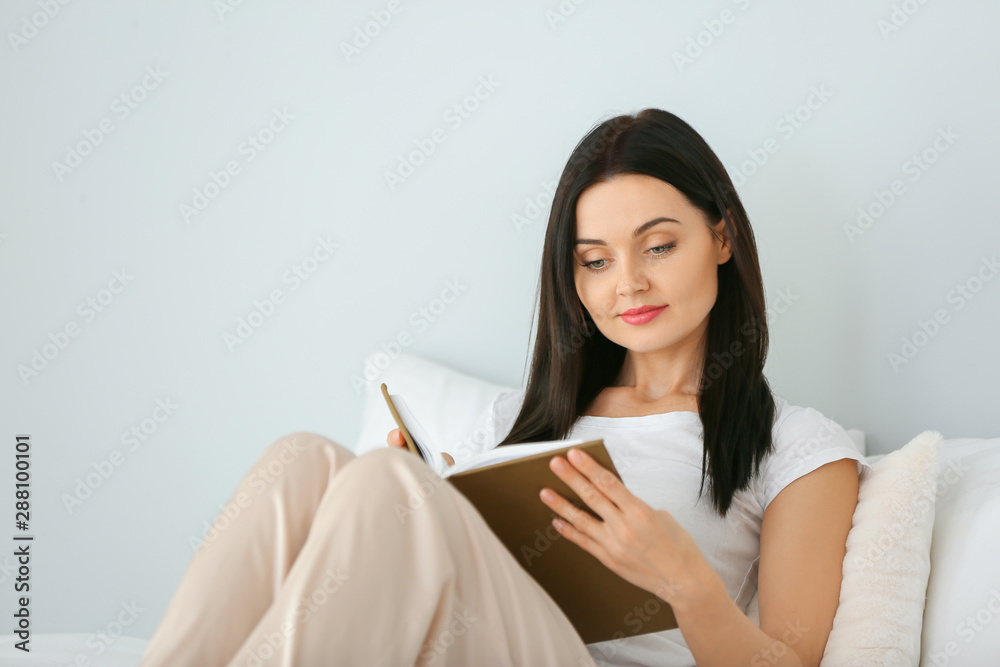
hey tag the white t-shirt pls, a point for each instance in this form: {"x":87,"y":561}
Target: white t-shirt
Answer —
{"x":659,"y":458}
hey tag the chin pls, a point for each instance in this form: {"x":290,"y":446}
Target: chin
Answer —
{"x":646,"y":340}
{"x":641,"y":343}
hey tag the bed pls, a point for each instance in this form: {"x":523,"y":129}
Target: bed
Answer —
{"x":72,"y":649}
{"x":955,"y":622}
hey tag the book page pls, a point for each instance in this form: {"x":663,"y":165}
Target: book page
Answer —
{"x":421,"y":438}
{"x":509,"y":453}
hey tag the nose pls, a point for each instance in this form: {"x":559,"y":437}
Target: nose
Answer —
{"x":631,"y":277}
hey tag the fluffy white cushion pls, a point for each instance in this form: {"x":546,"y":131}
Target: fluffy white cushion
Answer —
{"x":962,"y":619}
{"x":446,"y":402}
{"x":886,"y":568}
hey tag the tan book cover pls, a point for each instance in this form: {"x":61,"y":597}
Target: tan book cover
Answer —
{"x":599,"y":603}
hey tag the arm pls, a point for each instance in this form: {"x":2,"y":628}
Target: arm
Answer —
{"x":803,"y":540}
{"x":802,"y":547}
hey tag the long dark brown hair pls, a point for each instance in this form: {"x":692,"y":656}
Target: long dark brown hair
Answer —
{"x":573,"y":361}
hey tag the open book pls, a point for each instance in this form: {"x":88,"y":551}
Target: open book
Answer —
{"x":503,"y":485}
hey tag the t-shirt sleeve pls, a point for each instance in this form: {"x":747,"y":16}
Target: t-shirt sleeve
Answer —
{"x":804,"y":440}
{"x":492,"y":426}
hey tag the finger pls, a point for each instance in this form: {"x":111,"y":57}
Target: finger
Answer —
{"x":564,"y":508}
{"x":584,"y":541}
{"x":602,"y":478}
{"x":589,"y":493}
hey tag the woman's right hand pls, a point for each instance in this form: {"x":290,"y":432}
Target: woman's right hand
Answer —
{"x":396,"y":439}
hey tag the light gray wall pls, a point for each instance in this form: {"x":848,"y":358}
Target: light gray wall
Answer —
{"x":887,"y":95}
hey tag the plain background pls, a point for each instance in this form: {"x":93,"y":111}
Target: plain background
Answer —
{"x":894,"y":76}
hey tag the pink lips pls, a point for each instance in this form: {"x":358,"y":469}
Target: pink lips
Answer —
{"x":641,"y":315}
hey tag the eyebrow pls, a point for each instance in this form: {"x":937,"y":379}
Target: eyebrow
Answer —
{"x":635,"y":233}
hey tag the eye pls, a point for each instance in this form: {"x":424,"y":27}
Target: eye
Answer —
{"x":590,"y":265}
{"x":663,"y":250}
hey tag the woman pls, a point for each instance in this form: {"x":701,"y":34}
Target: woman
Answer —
{"x":652,"y":335}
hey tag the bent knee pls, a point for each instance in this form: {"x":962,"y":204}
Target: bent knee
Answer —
{"x":394,"y":467}
{"x":302,"y":449}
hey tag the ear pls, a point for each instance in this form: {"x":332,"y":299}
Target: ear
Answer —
{"x":723,"y":244}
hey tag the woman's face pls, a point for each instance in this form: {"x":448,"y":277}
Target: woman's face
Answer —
{"x":633,"y":261}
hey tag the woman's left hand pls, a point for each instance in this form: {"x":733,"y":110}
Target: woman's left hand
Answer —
{"x":644,"y":546}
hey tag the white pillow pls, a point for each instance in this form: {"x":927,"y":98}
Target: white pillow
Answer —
{"x":421,"y":381}
{"x":446,"y":402}
{"x":880,"y":614}
{"x":962,"y":619}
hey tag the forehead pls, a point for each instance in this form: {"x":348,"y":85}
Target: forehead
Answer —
{"x":616,"y":207}
{"x":628,"y":200}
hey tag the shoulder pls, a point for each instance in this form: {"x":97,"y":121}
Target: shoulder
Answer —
{"x":793,"y":422}
{"x":803,"y":440}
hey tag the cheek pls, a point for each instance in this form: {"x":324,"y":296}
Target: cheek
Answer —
{"x":691,"y":285}
{"x":703,"y":284}
{"x":593,"y":297}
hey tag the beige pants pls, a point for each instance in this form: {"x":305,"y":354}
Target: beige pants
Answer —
{"x":322,"y":557}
